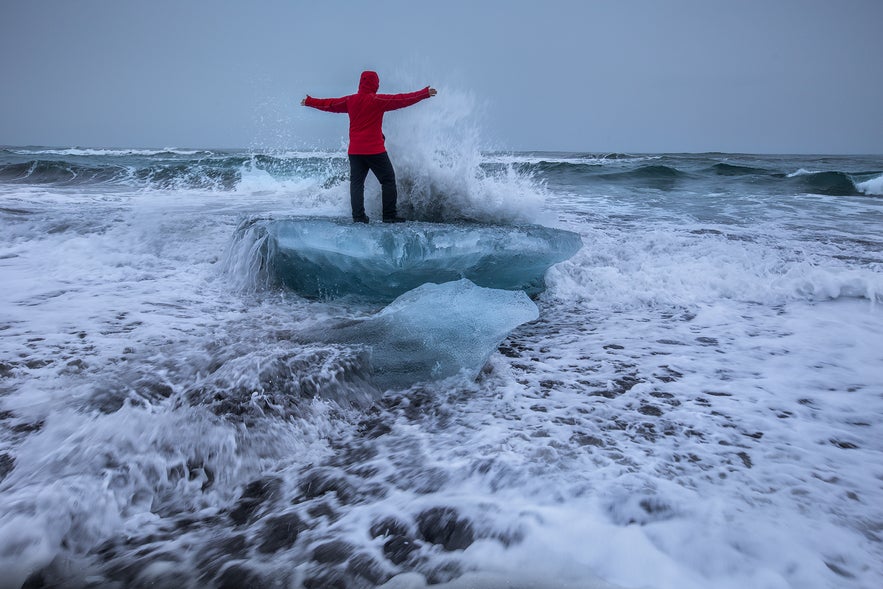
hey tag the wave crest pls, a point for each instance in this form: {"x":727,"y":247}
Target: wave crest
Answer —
{"x":872,"y":187}
{"x":827,"y":183}
{"x":59,"y":172}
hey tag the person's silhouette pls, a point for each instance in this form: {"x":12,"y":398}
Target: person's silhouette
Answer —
{"x":367,"y":150}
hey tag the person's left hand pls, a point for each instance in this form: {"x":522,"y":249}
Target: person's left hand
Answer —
{"x":433,"y":91}
{"x":303,"y":102}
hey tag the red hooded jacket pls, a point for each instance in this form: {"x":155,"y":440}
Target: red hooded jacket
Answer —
{"x":366,"y":109}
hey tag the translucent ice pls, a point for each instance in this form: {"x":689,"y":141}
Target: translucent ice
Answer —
{"x":328,"y":259}
{"x":435,"y":331}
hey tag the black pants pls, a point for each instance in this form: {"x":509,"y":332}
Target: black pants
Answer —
{"x":381,"y":166}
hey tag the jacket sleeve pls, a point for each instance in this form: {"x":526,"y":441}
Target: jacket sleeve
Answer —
{"x":395,"y":101}
{"x":327,"y":104}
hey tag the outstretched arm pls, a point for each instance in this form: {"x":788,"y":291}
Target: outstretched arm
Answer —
{"x":326,"y":104}
{"x":396,"y":101}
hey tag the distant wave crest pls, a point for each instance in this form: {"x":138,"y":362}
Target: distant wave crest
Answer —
{"x":874,"y":186}
{"x":447,"y":177}
{"x":57,"y":172}
{"x":827,"y":183}
{"x":162,"y":170}
{"x":80,"y":151}
{"x":651,"y":172}
{"x":63,"y":173}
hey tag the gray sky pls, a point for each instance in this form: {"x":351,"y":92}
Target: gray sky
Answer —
{"x":787,"y":76}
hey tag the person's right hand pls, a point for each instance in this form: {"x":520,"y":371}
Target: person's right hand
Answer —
{"x":303,"y":102}
{"x":433,"y":91}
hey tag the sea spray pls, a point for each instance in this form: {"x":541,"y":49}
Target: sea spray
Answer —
{"x":436,"y":150}
{"x":872,"y":187}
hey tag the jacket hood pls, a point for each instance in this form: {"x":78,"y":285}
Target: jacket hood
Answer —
{"x":369,"y":82}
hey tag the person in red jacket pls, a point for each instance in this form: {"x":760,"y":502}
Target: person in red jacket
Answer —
{"x":367,"y":150}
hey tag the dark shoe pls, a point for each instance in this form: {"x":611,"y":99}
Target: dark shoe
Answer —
{"x":362,"y":219}
{"x":393,"y":220}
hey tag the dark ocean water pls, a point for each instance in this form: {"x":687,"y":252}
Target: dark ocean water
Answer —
{"x":697,"y":403}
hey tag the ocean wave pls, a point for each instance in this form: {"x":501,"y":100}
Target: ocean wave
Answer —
{"x":576,"y":159}
{"x":647,"y":173}
{"x":59,"y":172}
{"x":803,"y":172}
{"x":559,"y":166}
{"x":101,"y":152}
{"x":63,"y":173}
{"x":593,"y":170}
{"x":656,"y":176}
{"x":724,"y":169}
{"x":826,"y":183}
{"x":188,"y":176}
{"x":217,"y":173}
{"x":449,"y":184}
{"x":873,"y":187}
{"x":442,"y":173}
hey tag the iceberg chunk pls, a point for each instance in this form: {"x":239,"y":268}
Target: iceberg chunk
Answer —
{"x":435,"y":331}
{"x":326,"y":258}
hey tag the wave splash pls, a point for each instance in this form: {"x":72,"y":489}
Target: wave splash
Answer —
{"x":442,"y":173}
{"x":874,"y":186}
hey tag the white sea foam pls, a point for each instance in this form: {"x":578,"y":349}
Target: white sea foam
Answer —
{"x":873,"y":186}
{"x":671,"y":268}
{"x":696,"y":405}
{"x":802,"y":172}
{"x":436,"y":149}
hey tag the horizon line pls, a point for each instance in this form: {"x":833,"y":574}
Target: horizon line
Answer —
{"x":601,"y":153}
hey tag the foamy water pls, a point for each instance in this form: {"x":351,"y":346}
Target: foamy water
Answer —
{"x":697,"y":405}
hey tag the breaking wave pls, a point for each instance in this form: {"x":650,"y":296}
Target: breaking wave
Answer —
{"x":59,"y":172}
{"x":162,"y":170}
{"x":874,"y":186}
{"x":828,"y":183}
